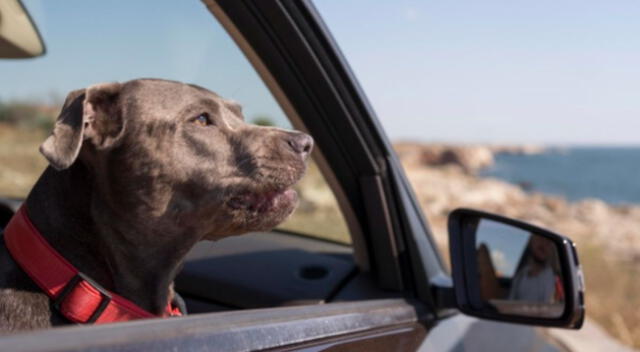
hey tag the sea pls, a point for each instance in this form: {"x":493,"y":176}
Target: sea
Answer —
{"x":611,"y":174}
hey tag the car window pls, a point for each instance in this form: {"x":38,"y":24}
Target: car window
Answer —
{"x":180,"y":42}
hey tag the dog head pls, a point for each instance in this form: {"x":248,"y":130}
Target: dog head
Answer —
{"x":177,"y":157}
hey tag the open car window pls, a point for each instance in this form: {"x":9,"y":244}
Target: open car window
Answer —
{"x":302,"y":261}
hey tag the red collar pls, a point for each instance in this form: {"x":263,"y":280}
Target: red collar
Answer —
{"x":75,"y":295}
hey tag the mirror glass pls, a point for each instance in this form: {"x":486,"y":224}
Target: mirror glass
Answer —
{"x":519,"y":271}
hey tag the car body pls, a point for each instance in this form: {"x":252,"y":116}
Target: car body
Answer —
{"x":390,"y":291}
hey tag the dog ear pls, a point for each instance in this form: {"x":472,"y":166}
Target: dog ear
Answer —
{"x":90,"y":113}
{"x":103,"y":122}
{"x":61,"y":148}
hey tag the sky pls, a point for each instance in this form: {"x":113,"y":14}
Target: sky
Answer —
{"x":542,"y":72}
{"x":505,"y":243}
{"x":90,"y":41}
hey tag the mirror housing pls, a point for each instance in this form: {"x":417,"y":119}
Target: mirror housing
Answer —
{"x":472,"y":233}
{"x":19,"y":36}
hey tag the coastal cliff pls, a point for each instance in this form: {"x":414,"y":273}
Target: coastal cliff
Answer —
{"x":444,"y":178}
{"x":468,"y":158}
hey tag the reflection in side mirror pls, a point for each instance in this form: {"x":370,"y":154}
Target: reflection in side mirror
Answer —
{"x":19,"y":37}
{"x":508,"y":270}
{"x":518,"y":271}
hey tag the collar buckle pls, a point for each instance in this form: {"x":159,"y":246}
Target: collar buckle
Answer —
{"x":73,"y":283}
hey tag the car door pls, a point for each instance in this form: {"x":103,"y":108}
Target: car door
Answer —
{"x":390,"y":302}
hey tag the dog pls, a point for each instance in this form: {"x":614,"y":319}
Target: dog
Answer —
{"x":138,"y":173}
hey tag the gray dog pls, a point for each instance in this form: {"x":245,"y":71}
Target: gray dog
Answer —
{"x":139,"y":172}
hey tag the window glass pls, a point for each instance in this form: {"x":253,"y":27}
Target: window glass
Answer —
{"x":90,"y":42}
{"x":529,"y":110}
{"x":318,"y":214}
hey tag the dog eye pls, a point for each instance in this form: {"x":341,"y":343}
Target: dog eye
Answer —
{"x":203,"y":119}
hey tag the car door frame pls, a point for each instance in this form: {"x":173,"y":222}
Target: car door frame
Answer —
{"x":245,"y":330}
{"x":293,"y":51}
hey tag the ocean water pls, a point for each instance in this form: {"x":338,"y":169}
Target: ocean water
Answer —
{"x":611,"y":174}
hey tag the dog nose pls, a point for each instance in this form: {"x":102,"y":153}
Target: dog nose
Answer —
{"x":301,"y":143}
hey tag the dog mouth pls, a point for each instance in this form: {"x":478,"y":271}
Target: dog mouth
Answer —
{"x":263,"y":202}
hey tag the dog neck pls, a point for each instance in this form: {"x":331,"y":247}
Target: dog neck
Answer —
{"x":71,"y":216}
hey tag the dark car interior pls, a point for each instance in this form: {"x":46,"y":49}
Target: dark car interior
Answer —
{"x":261,"y":270}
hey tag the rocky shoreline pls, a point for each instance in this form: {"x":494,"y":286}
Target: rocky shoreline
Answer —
{"x":469,"y":158}
{"x":444,"y":178}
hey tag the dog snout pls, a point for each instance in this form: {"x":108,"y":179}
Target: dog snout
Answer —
{"x":301,"y":144}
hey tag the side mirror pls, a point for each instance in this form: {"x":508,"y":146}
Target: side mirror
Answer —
{"x":508,"y":270}
{"x":19,"y":37}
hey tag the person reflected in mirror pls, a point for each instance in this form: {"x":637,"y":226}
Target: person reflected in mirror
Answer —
{"x":536,"y":279}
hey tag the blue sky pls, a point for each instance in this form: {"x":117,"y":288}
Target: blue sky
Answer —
{"x":505,"y":243}
{"x":90,"y":42}
{"x":515,"y":71}
{"x":559,"y":72}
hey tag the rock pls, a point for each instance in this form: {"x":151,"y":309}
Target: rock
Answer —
{"x":469,"y":158}
{"x":528,"y":149}
{"x":591,"y":210}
